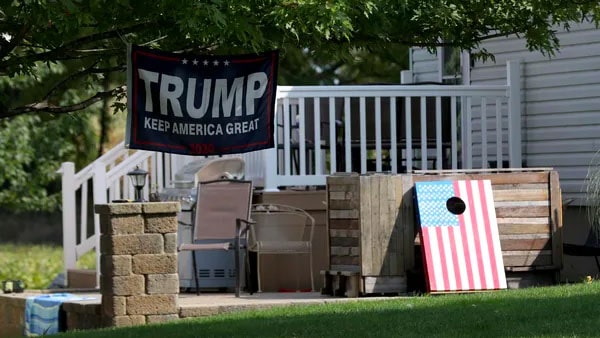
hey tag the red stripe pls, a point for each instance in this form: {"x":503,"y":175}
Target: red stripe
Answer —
{"x":475,"y":226}
{"x":429,"y":270}
{"x":443,"y":258}
{"x":457,"y":275}
{"x":488,"y":229}
{"x":465,"y":244}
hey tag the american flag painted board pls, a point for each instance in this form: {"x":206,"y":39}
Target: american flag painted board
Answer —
{"x":459,"y":236}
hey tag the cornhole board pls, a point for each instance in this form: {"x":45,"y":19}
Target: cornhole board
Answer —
{"x":459,"y":236}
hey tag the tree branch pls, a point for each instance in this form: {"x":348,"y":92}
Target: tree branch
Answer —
{"x":44,"y":106}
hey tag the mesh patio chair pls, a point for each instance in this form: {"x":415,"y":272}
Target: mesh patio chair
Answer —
{"x":221,"y":221}
{"x":281,"y":229}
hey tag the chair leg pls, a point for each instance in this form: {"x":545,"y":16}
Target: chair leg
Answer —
{"x":258,"y":271}
{"x":237,"y":268}
{"x":247,"y":274}
{"x":195,"y":273}
{"x":312,"y":279}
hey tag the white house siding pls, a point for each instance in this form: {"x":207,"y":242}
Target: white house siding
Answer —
{"x":424,"y":65}
{"x":560,"y":102}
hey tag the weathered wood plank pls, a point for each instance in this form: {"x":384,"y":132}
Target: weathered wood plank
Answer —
{"x":526,"y":211}
{"x":407,"y":221}
{"x":521,"y":186}
{"x":345,"y":260}
{"x":366,"y":221}
{"x":556,"y":221}
{"x":343,"y":214}
{"x":505,"y":229}
{"x":508,"y":204}
{"x":508,"y":244}
{"x":526,"y":259}
{"x":348,"y":204}
{"x":344,"y":233}
{"x":344,"y":224}
{"x":344,"y":251}
{"x":342,"y":195}
{"x":522,"y":220}
{"x":336,"y":187}
{"x":504,"y":178}
{"x":345,"y":241}
{"x":384,"y":284}
{"x":501,"y":195}
{"x":342,"y":179}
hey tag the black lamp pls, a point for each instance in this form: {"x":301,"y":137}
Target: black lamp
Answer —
{"x":138,"y":179}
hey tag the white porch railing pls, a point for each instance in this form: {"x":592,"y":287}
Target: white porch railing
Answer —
{"x":321,"y":130}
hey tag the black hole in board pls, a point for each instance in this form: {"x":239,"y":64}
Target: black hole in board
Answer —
{"x":455,"y":205}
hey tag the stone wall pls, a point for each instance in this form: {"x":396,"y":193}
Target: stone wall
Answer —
{"x":139,"y":281}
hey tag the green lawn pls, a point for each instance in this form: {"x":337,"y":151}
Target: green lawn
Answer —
{"x":561,"y":311}
{"x":36,"y":265}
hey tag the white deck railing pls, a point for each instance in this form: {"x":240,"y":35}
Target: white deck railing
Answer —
{"x":321,"y":130}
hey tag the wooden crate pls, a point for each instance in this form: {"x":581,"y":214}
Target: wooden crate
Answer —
{"x":368,"y":232}
{"x":372,"y":225}
{"x":528,"y":210}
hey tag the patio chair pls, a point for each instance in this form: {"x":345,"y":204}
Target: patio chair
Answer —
{"x":221,"y":208}
{"x":281,"y":229}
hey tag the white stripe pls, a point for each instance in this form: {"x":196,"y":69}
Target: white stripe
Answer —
{"x":482,"y":232}
{"x":448,"y":258}
{"x":495,"y":235}
{"x":470,"y":238}
{"x":435,"y":260}
{"x":462,"y":265}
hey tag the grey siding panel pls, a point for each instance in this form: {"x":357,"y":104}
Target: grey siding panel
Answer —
{"x":424,"y":66}
{"x":561,"y":108}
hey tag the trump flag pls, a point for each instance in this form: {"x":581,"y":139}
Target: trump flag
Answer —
{"x":200,"y":104}
{"x":459,"y":236}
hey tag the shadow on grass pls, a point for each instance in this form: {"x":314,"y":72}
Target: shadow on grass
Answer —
{"x":502,"y":314}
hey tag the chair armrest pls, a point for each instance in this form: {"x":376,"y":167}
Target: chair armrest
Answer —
{"x":238,"y":225}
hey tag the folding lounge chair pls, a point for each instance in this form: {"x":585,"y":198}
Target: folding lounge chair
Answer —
{"x":221,"y":221}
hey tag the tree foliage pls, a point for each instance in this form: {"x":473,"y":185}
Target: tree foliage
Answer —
{"x":89,"y":37}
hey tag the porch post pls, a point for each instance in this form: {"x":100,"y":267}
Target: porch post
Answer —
{"x":100,"y":189}
{"x":67,"y":169}
{"x":514,"y":113}
{"x":270,"y":165}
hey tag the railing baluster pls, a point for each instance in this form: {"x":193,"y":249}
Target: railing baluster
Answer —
{"x":317,"y":123}
{"x":423,"y":133}
{"x":377,"y":133}
{"x":363,"y":135}
{"x":438,"y":133}
{"x":332,"y":136}
{"x":499,"y":163}
{"x":302,"y":135}
{"x":348,"y":133}
{"x":393,"y":137}
{"x":484,"y":149}
{"x":286,"y":137}
{"x":408,"y":128}
{"x":468,"y":136}
{"x":453,"y":133}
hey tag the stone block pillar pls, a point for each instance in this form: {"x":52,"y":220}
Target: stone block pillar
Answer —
{"x":138,"y":263}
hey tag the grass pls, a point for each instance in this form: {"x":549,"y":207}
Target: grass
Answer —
{"x":559,"y":311}
{"x":36,"y":265}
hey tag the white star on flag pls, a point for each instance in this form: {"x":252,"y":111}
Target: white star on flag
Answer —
{"x":195,"y":62}
{"x":226,"y":63}
{"x":184,"y":61}
{"x":216,"y":63}
{"x":205,"y":62}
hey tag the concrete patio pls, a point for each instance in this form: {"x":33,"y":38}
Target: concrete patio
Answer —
{"x":86,"y":314}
